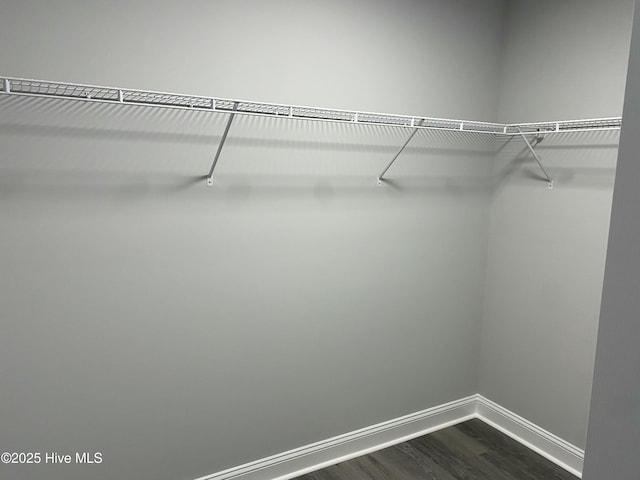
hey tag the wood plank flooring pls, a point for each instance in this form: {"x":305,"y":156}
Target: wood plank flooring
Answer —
{"x":468,"y":451}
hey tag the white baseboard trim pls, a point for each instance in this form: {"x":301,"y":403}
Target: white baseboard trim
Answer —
{"x":550,"y":446}
{"x":309,"y":458}
{"x":350,"y":445}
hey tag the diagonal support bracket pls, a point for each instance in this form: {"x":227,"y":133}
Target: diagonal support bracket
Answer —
{"x":535,"y":155}
{"x":413,"y":134}
{"x":222,"y":140}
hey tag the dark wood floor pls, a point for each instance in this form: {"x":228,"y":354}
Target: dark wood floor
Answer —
{"x":469,"y":451}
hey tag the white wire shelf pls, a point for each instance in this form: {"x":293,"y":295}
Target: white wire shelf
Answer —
{"x":93,"y":93}
{"x":564,"y":126}
{"x":114,"y":95}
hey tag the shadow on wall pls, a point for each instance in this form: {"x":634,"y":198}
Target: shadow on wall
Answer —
{"x":582,"y":160}
{"x":57,"y":149}
{"x":49,"y":187}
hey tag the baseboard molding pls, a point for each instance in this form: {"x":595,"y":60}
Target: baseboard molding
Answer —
{"x":550,"y":446}
{"x":296,"y":462}
{"x":350,"y":445}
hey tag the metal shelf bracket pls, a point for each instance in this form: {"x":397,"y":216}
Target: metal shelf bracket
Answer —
{"x":413,"y":134}
{"x":538,"y":138}
{"x":222,"y":140}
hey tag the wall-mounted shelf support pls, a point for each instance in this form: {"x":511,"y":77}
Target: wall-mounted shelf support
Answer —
{"x":535,"y":155}
{"x":222,"y":140}
{"x":413,"y":134}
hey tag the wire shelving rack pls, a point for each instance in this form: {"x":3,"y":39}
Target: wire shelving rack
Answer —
{"x":232,"y":107}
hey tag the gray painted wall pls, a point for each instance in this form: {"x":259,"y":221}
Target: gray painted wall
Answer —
{"x":562,"y":60}
{"x":180,"y":329}
{"x":614,"y":430}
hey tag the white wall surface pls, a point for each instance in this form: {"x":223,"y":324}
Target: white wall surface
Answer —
{"x":614,"y":430}
{"x":180,"y":329}
{"x":562,"y":60}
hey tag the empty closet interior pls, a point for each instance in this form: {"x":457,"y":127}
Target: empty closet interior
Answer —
{"x":182,"y":329}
